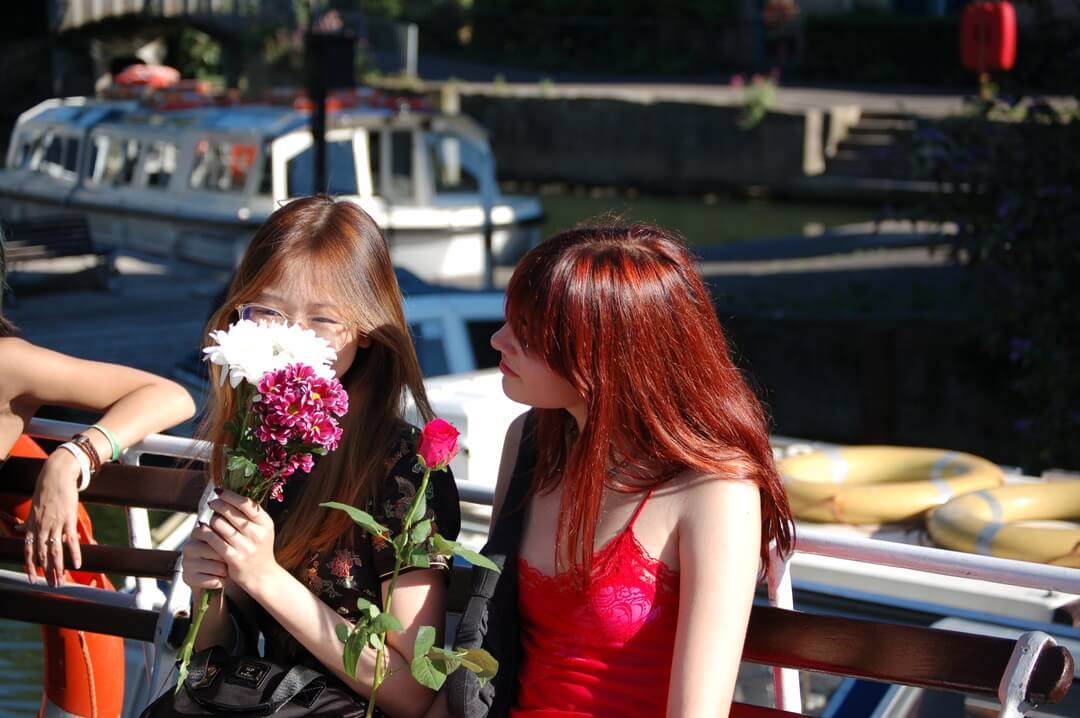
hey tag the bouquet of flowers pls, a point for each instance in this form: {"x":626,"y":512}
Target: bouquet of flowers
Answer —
{"x":288,"y":404}
{"x":431,"y":664}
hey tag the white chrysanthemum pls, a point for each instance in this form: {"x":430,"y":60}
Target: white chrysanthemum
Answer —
{"x":296,"y":345}
{"x":247,"y":350}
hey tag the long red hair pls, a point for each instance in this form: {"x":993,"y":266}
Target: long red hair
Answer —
{"x":621,"y":313}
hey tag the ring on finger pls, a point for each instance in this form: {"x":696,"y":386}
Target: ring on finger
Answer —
{"x":29,"y":540}
{"x":51,"y":540}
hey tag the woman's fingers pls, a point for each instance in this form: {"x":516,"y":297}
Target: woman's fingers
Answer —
{"x":71,"y":537}
{"x":251,"y":510}
{"x":29,"y":551}
{"x":54,"y":572}
{"x":237,"y":519}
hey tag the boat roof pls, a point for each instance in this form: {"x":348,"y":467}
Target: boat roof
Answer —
{"x":264,"y":119}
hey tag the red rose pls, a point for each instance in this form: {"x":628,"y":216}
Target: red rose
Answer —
{"x":438,"y":444}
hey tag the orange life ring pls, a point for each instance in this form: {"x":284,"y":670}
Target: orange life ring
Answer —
{"x":84,"y":672}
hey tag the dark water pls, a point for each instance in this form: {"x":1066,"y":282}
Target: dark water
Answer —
{"x":702,"y":220}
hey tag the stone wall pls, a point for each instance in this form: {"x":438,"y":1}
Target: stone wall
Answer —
{"x":668,"y":147}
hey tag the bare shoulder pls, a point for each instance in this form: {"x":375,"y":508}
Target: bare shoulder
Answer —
{"x":704,"y":499}
{"x":17,"y":354}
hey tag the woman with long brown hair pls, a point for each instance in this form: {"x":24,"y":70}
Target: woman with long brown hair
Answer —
{"x":653,"y":471}
{"x":300,"y":568}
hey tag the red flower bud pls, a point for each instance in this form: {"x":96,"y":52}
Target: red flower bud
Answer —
{"x":438,"y":443}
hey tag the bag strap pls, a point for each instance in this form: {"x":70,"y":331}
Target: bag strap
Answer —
{"x":520,"y":483}
{"x":292,"y":684}
{"x":198,"y":665}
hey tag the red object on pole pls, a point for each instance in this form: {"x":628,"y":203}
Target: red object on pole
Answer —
{"x":988,"y":36}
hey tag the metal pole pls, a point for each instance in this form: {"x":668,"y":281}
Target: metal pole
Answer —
{"x":316,"y":76}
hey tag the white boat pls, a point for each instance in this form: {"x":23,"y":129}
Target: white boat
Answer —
{"x":195,"y":182}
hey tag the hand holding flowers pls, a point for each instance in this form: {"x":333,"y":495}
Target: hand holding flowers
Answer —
{"x":287,"y":406}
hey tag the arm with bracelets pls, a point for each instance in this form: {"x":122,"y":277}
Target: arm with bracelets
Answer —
{"x":133,"y":403}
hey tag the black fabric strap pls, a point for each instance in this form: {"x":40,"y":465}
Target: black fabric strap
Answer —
{"x":297,"y":679}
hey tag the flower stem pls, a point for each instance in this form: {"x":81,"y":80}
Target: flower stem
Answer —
{"x":380,"y":654}
{"x":188,"y":646}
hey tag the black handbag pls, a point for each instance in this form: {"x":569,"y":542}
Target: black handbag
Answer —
{"x":240,"y":686}
{"x":490,"y":620}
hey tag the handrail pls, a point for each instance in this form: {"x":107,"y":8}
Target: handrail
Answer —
{"x":808,"y":540}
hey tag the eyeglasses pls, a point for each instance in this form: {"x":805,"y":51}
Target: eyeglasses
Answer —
{"x":330,"y":329}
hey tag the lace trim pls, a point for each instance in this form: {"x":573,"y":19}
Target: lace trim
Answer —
{"x":638,"y":563}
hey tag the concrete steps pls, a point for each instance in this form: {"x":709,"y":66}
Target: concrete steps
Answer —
{"x":874,"y":148}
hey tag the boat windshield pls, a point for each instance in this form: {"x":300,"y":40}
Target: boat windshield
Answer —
{"x":453,"y":161}
{"x":340,"y":170}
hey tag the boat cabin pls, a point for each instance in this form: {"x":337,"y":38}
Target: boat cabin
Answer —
{"x":196,"y":182}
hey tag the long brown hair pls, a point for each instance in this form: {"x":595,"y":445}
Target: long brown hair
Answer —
{"x":7,"y":329}
{"x":345,"y":246}
{"x":621,"y":313}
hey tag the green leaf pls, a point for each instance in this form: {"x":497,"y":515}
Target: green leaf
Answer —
{"x":399,"y":542}
{"x":421,"y":531}
{"x":480,"y":662}
{"x":449,"y":661}
{"x":385,"y":622}
{"x":425,"y":639}
{"x":426,"y":674}
{"x":476,"y":559}
{"x":354,"y":646}
{"x":367,"y":607}
{"x":419,"y":559}
{"x":362,"y":518}
{"x":342,"y":632}
{"x":442,"y":546}
{"x":375,"y":640}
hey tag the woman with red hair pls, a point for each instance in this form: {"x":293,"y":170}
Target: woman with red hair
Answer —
{"x":650,"y":468}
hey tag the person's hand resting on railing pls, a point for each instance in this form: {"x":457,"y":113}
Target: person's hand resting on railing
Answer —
{"x":135,"y":404}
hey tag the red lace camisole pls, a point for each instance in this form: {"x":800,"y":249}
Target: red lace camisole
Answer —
{"x":604,"y":652}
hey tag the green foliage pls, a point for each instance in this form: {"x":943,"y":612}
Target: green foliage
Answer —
{"x":198,"y":55}
{"x":635,"y":36}
{"x":412,"y":547}
{"x":1010,"y":181}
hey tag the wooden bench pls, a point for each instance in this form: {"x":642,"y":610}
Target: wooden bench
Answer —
{"x":873,"y":650}
{"x":55,"y":237}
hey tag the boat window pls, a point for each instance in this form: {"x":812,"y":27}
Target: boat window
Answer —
{"x":266,"y":179}
{"x":120,"y":156}
{"x":160,"y":164}
{"x":71,"y":155}
{"x":340,"y":170}
{"x":374,"y":139}
{"x":54,"y":149}
{"x":480,"y":331}
{"x":221,"y":166}
{"x":401,"y":173}
{"x":452,"y":174}
{"x":430,"y":349}
{"x":29,"y":141}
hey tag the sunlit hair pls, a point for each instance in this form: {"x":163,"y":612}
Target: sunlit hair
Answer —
{"x":621,"y":313}
{"x":345,"y":248}
{"x":7,"y":329}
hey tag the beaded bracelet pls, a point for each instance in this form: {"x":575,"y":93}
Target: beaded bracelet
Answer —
{"x":83,"y":442}
{"x":84,"y":462}
{"x":112,"y":440}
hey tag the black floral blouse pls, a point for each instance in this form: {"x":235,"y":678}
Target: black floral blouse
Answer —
{"x":339,"y":576}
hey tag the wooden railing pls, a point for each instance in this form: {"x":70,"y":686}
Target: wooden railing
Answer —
{"x":1031,"y":670}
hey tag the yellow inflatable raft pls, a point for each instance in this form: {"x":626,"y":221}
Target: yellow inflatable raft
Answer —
{"x":1016,"y":521}
{"x":880,"y":484}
